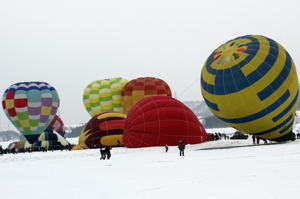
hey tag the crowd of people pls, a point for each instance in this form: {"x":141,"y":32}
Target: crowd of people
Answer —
{"x":106,"y":152}
{"x":31,"y":149}
{"x":217,"y":136}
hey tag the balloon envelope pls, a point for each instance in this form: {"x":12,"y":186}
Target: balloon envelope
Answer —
{"x":104,"y":129}
{"x":30,"y":106}
{"x":104,"y":95}
{"x":57,"y":125}
{"x":251,"y":84}
{"x":160,"y":120}
{"x":140,"y":88}
{"x":54,"y":138}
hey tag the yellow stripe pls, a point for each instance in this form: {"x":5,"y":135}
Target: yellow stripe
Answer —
{"x":111,"y":114}
{"x":259,"y":58}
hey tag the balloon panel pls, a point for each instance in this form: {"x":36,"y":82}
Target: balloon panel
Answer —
{"x":140,"y":88}
{"x":57,"y":125}
{"x":104,"y":129}
{"x":160,"y":120}
{"x":251,"y":84}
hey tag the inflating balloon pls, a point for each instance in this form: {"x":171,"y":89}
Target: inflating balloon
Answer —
{"x":104,"y":129}
{"x":251,"y":84}
{"x":57,"y":125}
{"x":140,"y":88}
{"x":160,"y":120}
{"x":104,"y":95}
{"x":53,"y":138}
{"x":30,"y":106}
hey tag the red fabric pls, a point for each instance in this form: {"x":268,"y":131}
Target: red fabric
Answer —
{"x":149,"y":85}
{"x":4,"y":104}
{"x":56,"y":124}
{"x":12,"y":112}
{"x":21,"y":103}
{"x":10,"y":95}
{"x":160,"y":120}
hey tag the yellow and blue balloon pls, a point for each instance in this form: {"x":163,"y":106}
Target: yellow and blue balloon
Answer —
{"x":251,"y":84}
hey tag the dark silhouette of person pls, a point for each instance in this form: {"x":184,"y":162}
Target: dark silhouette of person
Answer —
{"x":1,"y":150}
{"x":257,"y":140}
{"x":265,"y":141}
{"x":220,"y":136}
{"x":253,"y":138}
{"x":107,"y":151}
{"x":181,"y":147}
{"x":166,"y":147}
{"x":103,"y":154}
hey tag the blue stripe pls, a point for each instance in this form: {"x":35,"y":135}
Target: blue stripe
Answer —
{"x":276,"y":127}
{"x":287,"y":109}
{"x":271,"y":88}
{"x":28,"y":83}
{"x":286,"y":128}
{"x":212,"y":105}
{"x":233,"y":77}
{"x":261,"y":113}
{"x":31,"y":87}
{"x":46,"y":135}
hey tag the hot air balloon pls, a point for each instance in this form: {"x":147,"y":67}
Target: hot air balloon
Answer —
{"x":104,"y":95}
{"x":140,"y":88}
{"x":57,"y":125}
{"x":30,"y":106}
{"x":53,"y":138}
{"x":251,"y":84}
{"x":104,"y":129}
{"x":161,"y":120}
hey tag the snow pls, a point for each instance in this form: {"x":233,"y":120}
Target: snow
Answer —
{"x":218,"y":169}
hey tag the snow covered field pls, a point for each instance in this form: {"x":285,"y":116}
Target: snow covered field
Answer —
{"x":218,"y":169}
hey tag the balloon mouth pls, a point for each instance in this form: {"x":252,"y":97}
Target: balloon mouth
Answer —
{"x":31,"y":138}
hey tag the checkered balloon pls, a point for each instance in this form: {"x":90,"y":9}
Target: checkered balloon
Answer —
{"x":140,"y":88}
{"x":104,"y":95}
{"x":30,"y":106}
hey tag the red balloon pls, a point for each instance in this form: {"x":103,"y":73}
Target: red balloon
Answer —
{"x":160,"y":120}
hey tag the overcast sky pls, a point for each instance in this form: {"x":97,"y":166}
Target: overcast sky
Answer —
{"x":69,"y":43}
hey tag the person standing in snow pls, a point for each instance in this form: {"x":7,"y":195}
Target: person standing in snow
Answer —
{"x":107,"y":151}
{"x":253,"y":138}
{"x":166,"y":147}
{"x":181,"y":147}
{"x":257,"y":140}
{"x":265,"y":141}
{"x":103,"y":154}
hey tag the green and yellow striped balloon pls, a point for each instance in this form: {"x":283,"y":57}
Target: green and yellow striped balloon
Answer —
{"x":251,"y":84}
{"x":104,"y":95}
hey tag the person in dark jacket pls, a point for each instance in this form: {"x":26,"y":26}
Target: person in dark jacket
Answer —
{"x":166,"y":147}
{"x":103,"y":154}
{"x":257,"y":140}
{"x":181,"y":147}
{"x":107,"y":151}
{"x":253,"y":138}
